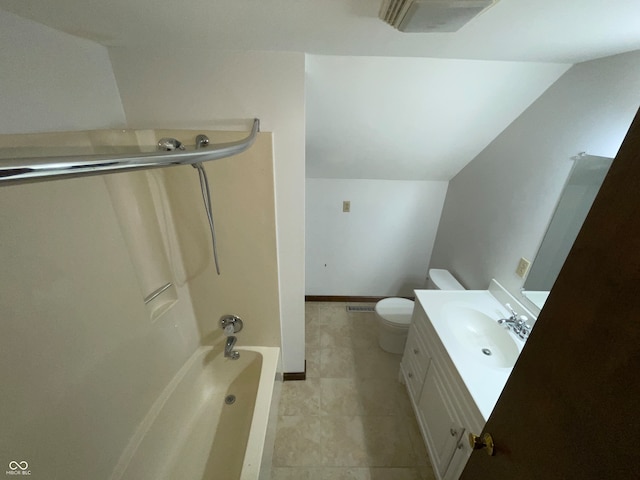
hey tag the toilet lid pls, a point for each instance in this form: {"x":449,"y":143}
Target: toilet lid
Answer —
{"x":444,"y":280}
{"x":395,"y":310}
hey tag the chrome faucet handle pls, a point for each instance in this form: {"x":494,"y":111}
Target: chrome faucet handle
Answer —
{"x":514,"y":315}
{"x":228,"y":321}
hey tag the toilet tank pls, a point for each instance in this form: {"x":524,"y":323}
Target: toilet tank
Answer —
{"x":440,"y":279}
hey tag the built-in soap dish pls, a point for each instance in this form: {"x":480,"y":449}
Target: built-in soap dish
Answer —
{"x":161,"y":300}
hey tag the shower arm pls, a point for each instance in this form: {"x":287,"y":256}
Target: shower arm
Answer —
{"x":27,"y":170}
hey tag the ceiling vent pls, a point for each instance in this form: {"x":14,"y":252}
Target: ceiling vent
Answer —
{"x":425,"y":16}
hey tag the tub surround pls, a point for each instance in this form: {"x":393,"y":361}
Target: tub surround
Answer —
{"x":452,"y":384}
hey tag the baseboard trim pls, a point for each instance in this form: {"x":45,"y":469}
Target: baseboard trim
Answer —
{"x":295,"y":376}
{"x":345,"y":299}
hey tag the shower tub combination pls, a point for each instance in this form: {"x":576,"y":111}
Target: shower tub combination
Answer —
{"x":214,"y":420}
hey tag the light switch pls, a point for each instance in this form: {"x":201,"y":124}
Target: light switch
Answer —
{"x":346,"y":206}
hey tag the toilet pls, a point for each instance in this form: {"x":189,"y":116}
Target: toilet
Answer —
{"x":393,"y":314}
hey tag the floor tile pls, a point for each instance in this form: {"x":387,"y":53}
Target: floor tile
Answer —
{"x":344,"y":442}
{"x":376,"y":363}
{"x":341,"y":473}
{"x":296,"y":473}
{"x":366,"y":441}
{"x":354,"y":332}
{"x":337,"y":362}
{"x":298,"y":441}
{"x":312,"y":334}
{"x":313,"y":362}
{"x":388,"y":443}
{"x":427,"y":473}
{"x":351,"y":419}
{"x":417,"y":443}
{"x":300,"y":397}
{"x":367,"y":396}
{"x":329,"y":312}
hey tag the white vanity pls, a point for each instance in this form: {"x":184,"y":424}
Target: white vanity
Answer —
{"x":455,"y":365}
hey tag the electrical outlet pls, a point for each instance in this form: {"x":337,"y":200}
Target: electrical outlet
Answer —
{"x":346,"y":206}
{"x":523,"y":267}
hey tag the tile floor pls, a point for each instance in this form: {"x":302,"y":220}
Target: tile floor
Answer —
{"x":351,"y":419}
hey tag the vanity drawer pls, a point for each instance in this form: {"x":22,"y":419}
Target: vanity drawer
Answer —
{"x":414,"y":377}
{"x":416,"y":352}
{"x":419,"y":323}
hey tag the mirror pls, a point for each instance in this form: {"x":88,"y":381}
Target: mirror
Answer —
{"x":579,"y":192}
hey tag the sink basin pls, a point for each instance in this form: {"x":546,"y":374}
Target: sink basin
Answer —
{"x":481,"y":336}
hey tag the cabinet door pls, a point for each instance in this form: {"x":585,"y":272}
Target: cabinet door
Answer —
{"x":442,"y":427}
{"x":459,"y":459}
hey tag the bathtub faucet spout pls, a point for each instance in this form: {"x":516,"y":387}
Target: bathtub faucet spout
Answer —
{"x":229,"y":352}
{"x":230,"y":324}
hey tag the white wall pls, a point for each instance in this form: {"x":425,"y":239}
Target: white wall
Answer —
{"x":382,"y":247}
{"x":497,"y":208}
{"x":205,"y":89}
{"x":52,"y":81}
{"x":393,"y":118}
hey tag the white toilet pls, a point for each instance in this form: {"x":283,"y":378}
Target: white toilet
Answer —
{"x":394,"y":314}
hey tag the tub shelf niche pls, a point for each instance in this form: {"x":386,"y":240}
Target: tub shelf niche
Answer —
{"x":134,"y":206}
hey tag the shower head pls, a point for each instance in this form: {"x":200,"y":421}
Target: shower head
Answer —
{"x":168,"y":144}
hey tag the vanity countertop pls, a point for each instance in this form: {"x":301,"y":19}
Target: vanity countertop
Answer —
{"x":484,"y":381}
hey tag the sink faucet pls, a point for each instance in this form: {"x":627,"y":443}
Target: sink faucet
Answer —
{"x":517,"y":323}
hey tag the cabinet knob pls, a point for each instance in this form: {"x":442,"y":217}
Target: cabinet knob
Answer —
{"x":453,"y":432}
{"x":416,"y":351}
{"x":410,"y":375}
{"x":482,"y":442}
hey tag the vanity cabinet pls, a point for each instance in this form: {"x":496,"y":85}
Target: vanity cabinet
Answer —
{"x":444,"y":409}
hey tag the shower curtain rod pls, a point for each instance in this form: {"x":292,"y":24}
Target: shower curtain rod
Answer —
{"x":25,"y":170}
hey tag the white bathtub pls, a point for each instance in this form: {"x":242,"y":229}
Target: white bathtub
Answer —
{"x":191,"y":434}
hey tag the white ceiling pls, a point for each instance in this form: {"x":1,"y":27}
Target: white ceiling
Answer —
{"x":396,"y":118}
{"x":564,"y":31}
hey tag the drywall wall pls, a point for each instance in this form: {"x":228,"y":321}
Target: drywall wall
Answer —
{"x":382,"y":247}
{"x":411,"y":118}
{"x":498,"y":207}
{"x":215,"y":90}
{"x":52,"y":81}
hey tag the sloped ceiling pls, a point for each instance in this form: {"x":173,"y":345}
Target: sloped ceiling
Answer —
{"x":373,"y":111}
{"x":411,"y":118}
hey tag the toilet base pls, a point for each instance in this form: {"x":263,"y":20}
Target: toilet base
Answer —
{"x":392,"y":340}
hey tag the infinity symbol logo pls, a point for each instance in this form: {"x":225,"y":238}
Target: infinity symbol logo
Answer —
{"x":13,"y":465}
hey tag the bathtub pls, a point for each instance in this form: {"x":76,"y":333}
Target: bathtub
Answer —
{"x":190,"y":432}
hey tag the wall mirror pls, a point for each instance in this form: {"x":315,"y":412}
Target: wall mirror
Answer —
{"x":579,"y":192}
